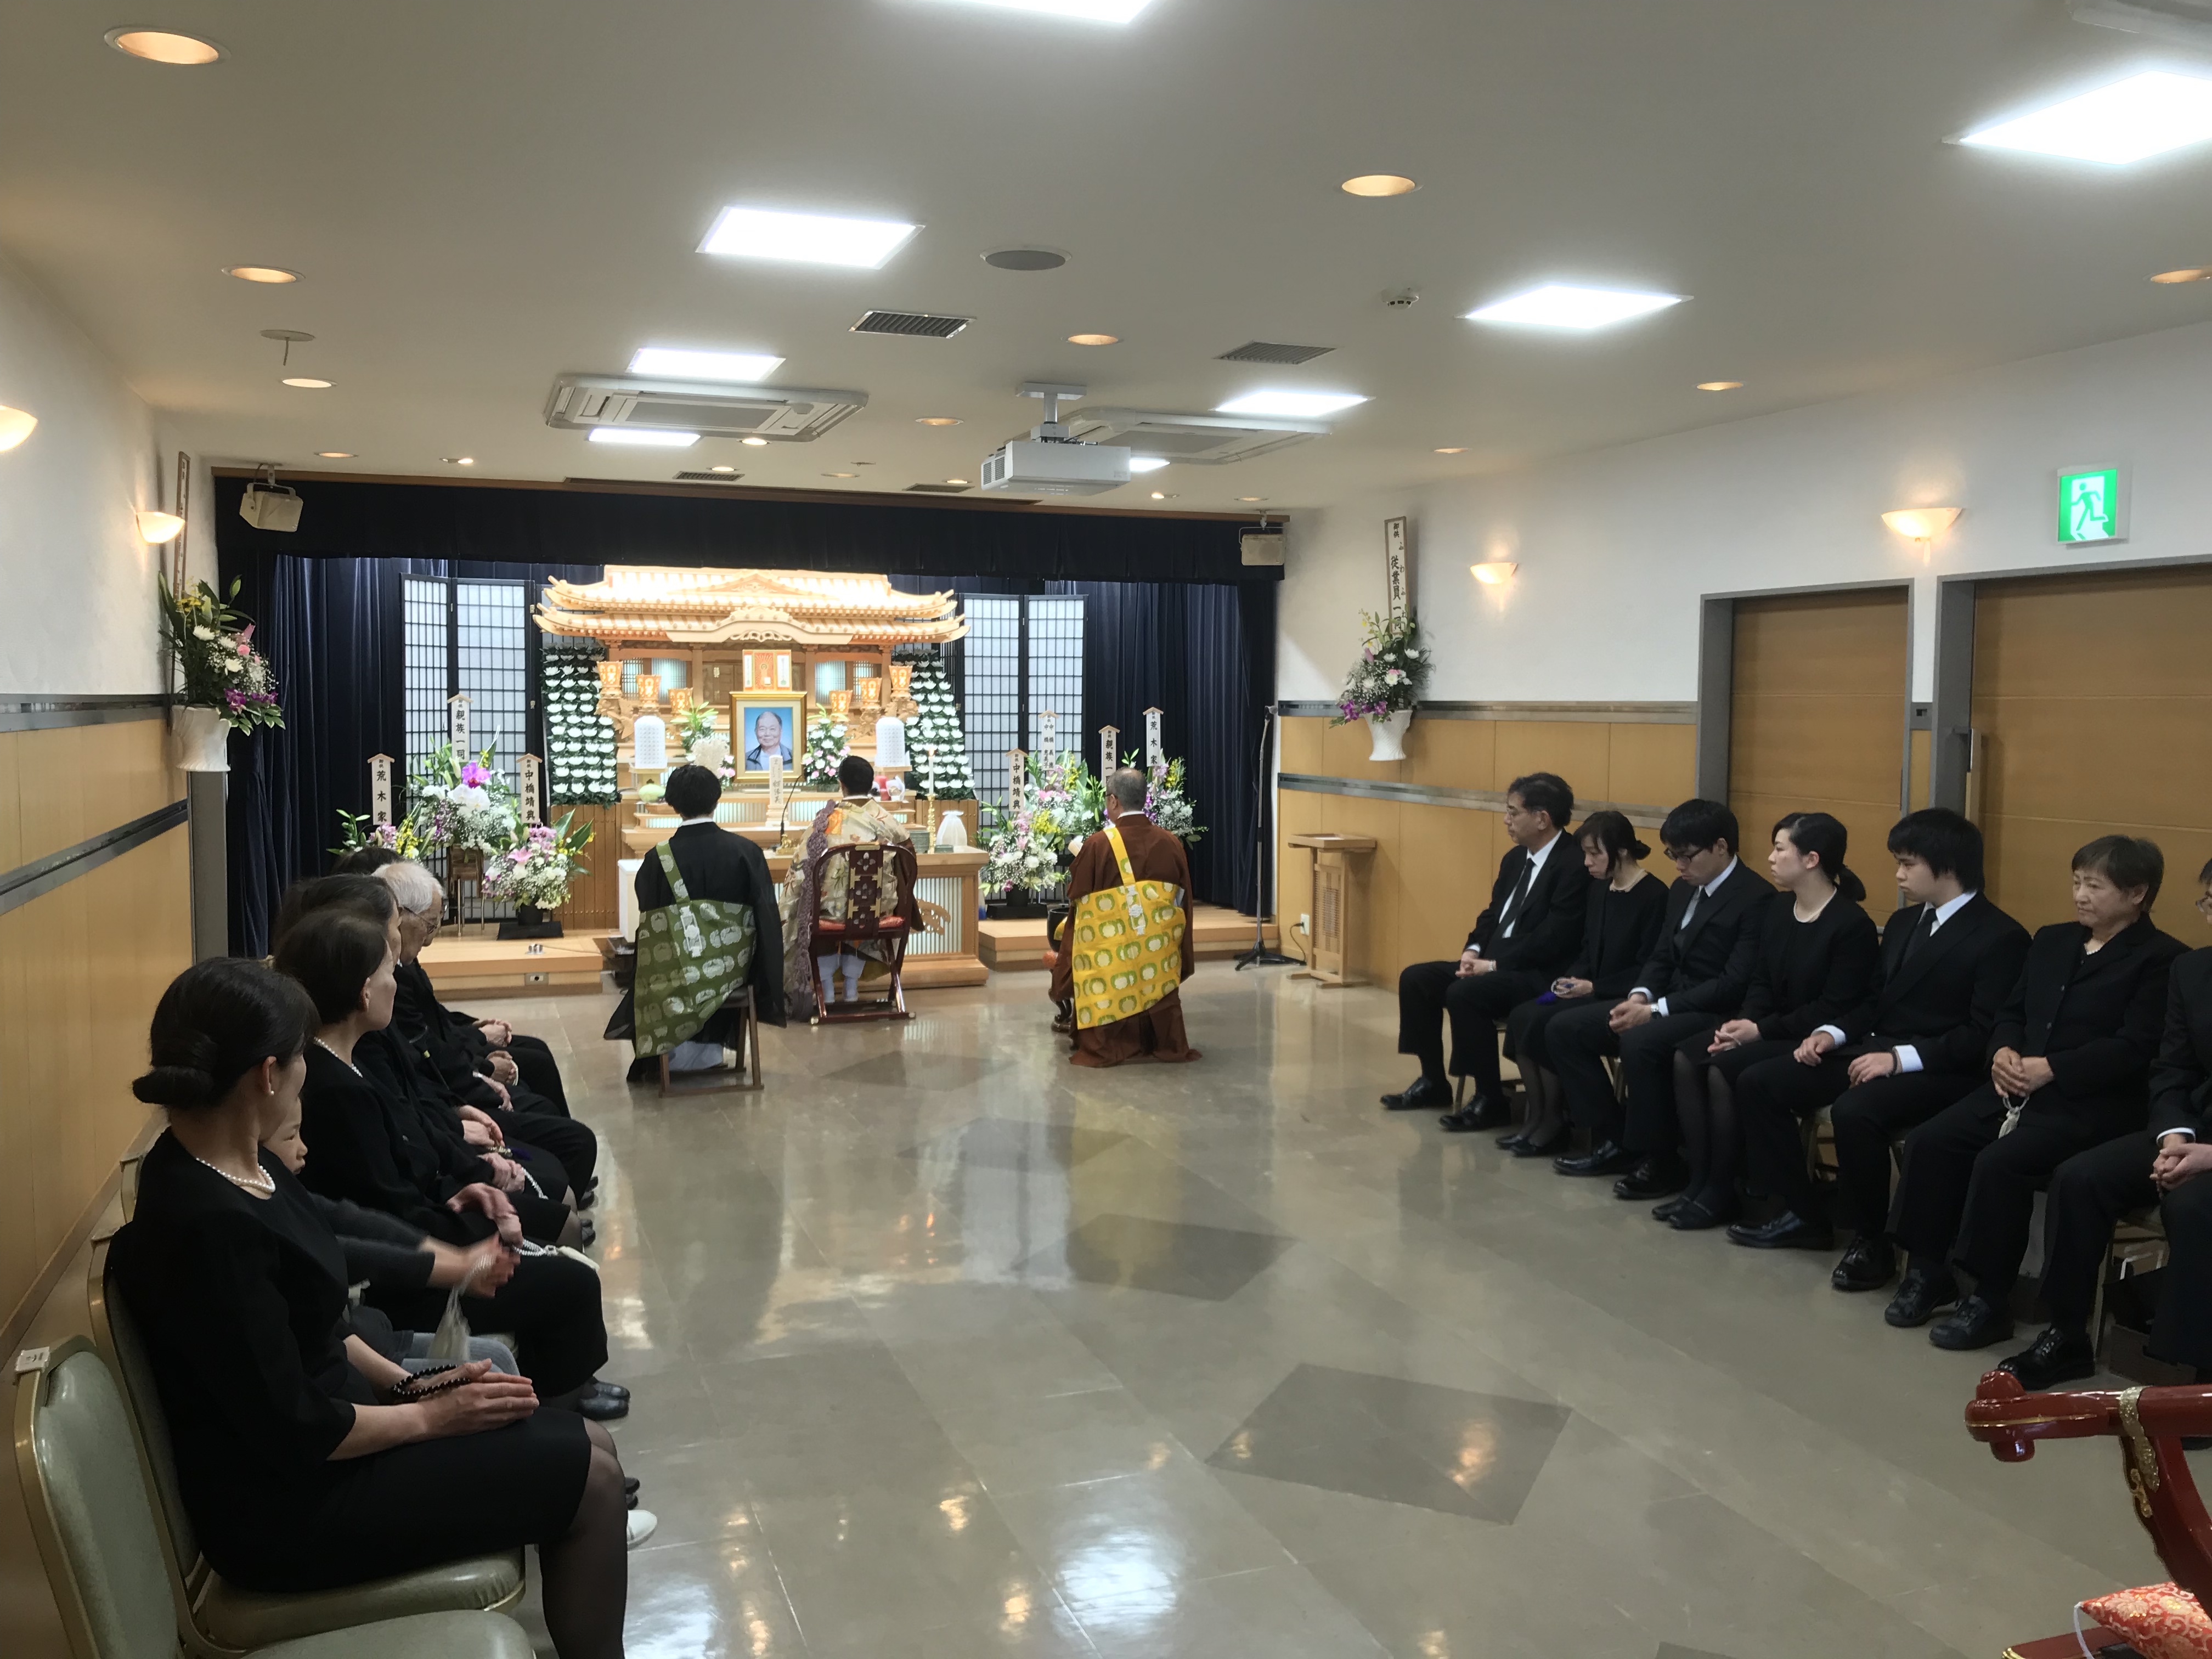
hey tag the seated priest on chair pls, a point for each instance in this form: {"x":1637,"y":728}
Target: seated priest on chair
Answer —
{"x":706,"y":926}
{"x":817,"y":884}
{"x":1522,"y":942}
{"x":1128,"y":946}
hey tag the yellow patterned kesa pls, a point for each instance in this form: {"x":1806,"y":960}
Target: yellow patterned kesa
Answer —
{"x":1124,"y":945}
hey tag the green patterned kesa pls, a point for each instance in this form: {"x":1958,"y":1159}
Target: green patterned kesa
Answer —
{"x":691,"y":956}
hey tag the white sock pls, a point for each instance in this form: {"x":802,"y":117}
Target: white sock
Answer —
{"x":852,"y":978}
{"x":828,"y":968}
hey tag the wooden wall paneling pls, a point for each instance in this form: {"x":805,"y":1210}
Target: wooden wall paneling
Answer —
{"x":1302,"y":743}
{"x":594,"y":903}
{"x":1451,"y":754}
{"x":2137,"y":633}
{"x":11,"y":810}
{"x":1296,"y":813}
{"x":1376,"y":883}
{"x":75,"y":781}
{"x":1447,"y":852}
{"x":1578,"y":751}
{"x":1651,"y":765}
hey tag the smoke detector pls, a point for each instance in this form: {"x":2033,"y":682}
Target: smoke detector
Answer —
{"x":1403,"y":299}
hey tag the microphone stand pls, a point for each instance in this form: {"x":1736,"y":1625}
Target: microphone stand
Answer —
{"x":1260,"y":956}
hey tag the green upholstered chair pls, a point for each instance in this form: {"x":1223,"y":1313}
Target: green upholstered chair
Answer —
{"x":218,"y":1620}
{"x":97,"y":1533}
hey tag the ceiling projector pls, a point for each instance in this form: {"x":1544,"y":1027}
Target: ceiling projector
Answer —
{"x":1050,"y":462}
{"x":270,"y":506}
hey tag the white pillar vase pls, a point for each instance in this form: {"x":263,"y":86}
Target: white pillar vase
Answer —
{"x":1388,"y":731}
{"x":201,"y":739}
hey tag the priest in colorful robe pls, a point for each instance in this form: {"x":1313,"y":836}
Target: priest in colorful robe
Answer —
{"x":816,"y":886}
{"x":1126,"y":948}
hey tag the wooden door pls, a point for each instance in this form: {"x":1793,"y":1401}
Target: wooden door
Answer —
{"x":2092,"y":698}
{"x":1817,"y":720}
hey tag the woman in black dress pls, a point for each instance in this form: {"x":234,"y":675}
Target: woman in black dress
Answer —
{"x":299,"y":1469}
{"x":1621,"y":930}
{"x":1818,"y":956}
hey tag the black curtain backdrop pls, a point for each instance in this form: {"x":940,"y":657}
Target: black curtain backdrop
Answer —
{"x":332,"y":630}
{"x":899,"y":535}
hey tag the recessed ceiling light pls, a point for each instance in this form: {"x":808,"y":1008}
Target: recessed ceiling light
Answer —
{"x":813,"y":238}
{"x":308,"y":383}
{"x":1457,"y":449}
{"x":962,"y":482}
{"x":644,"y":437}
{"x":754,"y":443}
{"x":721,"y":469}
{"x":1025,"y":259}
{"x":1094,"y":339}
{"x":261,"y":273}
{"x":739,"y":368}
{"x":163,"y":47}
{"x":2193,"y":274}
{"x":2130,"y":120}
{"x":1563,"y":305}
{"x":840,"y":475}
{"x":336,"y":454}
{"x":1159,"y":495}
{"x":1301,"y":404}
{"x":1379,"y":183}
{"x":1255,"y":499}
{"x":1720,"y":386}
{"x":1146,"y":463}
{"x":459,"y":460}
{"x":1089,"y":12}
{"x":939,"y":419}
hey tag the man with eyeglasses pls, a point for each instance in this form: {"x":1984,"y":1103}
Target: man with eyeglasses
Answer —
{"x":1696,"y":979}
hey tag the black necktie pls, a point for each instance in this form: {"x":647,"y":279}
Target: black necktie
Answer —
{"x":1513,"y":899}
{"x":1921,"y":930}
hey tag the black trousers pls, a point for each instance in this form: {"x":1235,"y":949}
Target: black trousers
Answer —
{"x":1579,"y":1039}
{"x":1430,"y":992}
{"x":2089,"y":1193}
{"x":540,"y":1072}
{"x":1773,"y":1095}
{"x":551,"y":1307}
{"x":567,"y":1139}
{"x":1528,"y":1031}
{"x":1969,"y":1195}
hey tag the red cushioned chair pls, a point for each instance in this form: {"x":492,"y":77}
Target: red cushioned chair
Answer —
{"x":866,"y":921}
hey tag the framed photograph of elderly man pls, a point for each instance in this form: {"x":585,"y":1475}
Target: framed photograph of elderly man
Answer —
{"x":764,"y":725}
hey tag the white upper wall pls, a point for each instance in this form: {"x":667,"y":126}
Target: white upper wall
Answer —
{"x":77,"y":584}
{"x":1615,"y":547}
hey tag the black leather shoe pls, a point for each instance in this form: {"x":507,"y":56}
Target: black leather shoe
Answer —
{"x":1484,"y":1113}
{"x":2053,"y":1358}
{"x":1869,"y":1265}
{"x":1786,"y":1232}
{"x":1424,"y":1096}
{"x":1464,"y":1121}
{"x":1525,"y":1147}
{"x":1655,"y":1177}
{"x":1925,"y":1291}
{"x":1672,"y":1207}
{"x":1513,"y":1142}
{"x":613,"y":1389}
{"x":1974,"y":1323}
{"x":630,"y":1484}
{"x":1697,"y":1216}
{"x":1607,"y":1158}
{"x":600,"y":1407}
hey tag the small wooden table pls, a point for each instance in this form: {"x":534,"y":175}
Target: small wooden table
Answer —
{"x":1332,"y":900}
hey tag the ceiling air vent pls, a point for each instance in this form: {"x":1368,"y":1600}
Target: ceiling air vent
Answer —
{"x":785,"y":414}
{"x":1266,"y":351}
{"x":1201,"y":439}
{"x":708,"y":478}
{"x":915,"y":325}
{"x":937,"y":489}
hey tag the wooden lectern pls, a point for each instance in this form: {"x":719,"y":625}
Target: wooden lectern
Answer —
{"x":1332,"y":898}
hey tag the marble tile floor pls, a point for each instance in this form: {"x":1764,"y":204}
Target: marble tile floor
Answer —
{"x":943,"y":1347}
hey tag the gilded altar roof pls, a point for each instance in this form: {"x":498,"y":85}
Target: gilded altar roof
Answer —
{"x":692,"y":606}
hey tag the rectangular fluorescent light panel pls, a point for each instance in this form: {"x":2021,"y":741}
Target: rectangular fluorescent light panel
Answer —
{"x":644,"y":437}
{"x":1562,"y":305}
{"x":810,"y":239}
{"x":2142,"y":116}
{"x":1089,"y":12}
{"x":1145,"y":463}
{"x":1301,"y":406}
{"x":736,"y":367}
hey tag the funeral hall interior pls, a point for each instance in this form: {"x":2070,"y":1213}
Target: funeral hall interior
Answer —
{"x":925,"y":829}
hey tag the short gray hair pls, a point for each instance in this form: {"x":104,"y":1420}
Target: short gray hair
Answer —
{"x":1128,"y":788}
{"x":414,"y":888}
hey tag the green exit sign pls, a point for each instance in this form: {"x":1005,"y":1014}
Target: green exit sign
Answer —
{"x":2091,"y":506}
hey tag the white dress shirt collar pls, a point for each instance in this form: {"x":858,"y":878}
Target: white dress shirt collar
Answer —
{"x":1949,"y":909}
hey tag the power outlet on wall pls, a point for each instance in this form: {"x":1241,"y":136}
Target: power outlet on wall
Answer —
{"x":1305,"y":922}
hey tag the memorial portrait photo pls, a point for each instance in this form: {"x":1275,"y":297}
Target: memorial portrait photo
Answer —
{"x":765,"y":727}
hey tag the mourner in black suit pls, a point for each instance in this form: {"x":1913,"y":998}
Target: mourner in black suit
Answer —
{"x":1696,"y":978}
{"x":1620,"y":929}
{"x":2164,"y":1165}
{"x":1948,"y":961}
{"x":1816,"y":967}
{"x":2069,"y":1059}
{"x":1520,"y":944}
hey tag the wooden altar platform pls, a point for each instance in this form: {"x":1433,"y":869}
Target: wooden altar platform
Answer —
{"x":1018,"y":946}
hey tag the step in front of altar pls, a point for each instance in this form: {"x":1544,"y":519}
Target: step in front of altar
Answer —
{"x":1013,"y":947}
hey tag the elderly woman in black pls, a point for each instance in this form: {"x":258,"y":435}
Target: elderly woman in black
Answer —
{"x":301,"y":1465}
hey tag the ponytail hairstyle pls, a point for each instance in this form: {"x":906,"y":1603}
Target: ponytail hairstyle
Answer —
{"x":1818,"y":835}
{"x":217,"y":1021}
{"x":1611,"y":833}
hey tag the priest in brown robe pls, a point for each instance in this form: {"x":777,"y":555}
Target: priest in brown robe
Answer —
{"x":1155,"y":1032}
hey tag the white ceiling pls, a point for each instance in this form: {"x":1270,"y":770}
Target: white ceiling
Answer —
{"x":483,"y":195}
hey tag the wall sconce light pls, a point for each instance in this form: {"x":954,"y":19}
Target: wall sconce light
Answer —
{"x":158,"y":527}
{"x":1495,"y":573}
{"x":1922,"y":524}
{"x":15,"y":426}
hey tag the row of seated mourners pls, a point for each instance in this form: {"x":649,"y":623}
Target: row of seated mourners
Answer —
{"x":334,"y":1128}
{"x":1986,"y":1064}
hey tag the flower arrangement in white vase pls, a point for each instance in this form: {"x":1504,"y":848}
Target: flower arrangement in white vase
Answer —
{"x":1385,"y":685}
{"x":228,"y":685}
